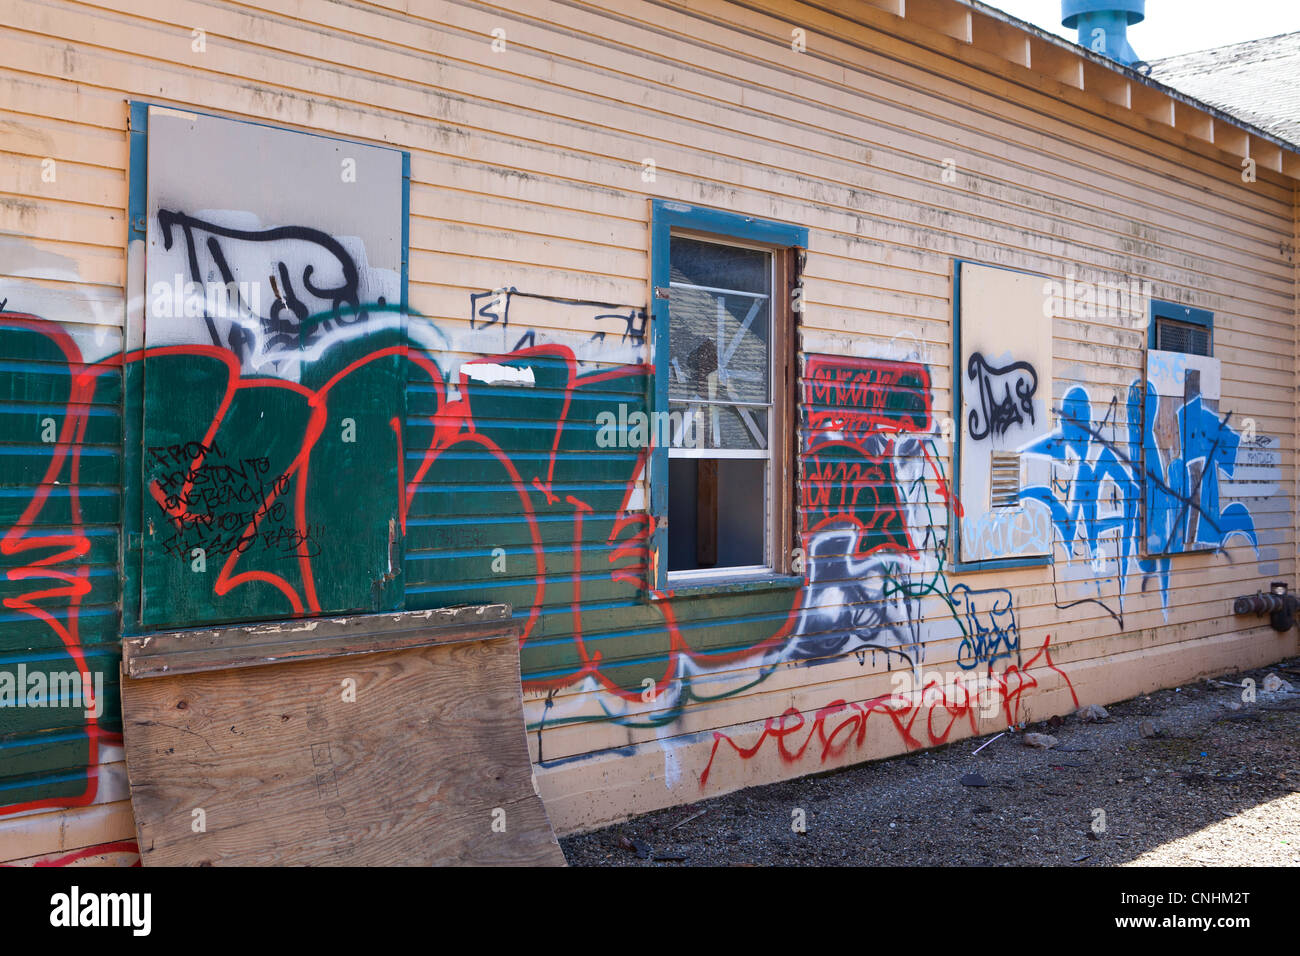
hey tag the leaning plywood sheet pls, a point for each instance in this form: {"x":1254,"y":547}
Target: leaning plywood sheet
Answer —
{"x":338,"y":755}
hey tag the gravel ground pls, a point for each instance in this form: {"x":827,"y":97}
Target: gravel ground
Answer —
{"x":1219,"y":785}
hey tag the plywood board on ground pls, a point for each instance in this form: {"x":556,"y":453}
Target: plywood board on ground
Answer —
{"x":425,"y":763}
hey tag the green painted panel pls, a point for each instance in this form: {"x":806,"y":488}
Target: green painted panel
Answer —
{"x":60,"y":587}
{"x":267,"y":498}
{"x":44,"y":382}
{"x":97,"y":506}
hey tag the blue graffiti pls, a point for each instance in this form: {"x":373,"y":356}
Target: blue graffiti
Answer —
{"x":991,"y":632}
{"x":1184,"y":512}
{"x":1098,"y":502}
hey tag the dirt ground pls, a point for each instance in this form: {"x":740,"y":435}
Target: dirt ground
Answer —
{"x":1217,"y":785}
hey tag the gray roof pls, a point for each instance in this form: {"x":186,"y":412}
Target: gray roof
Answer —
{"x":1257,"y":81}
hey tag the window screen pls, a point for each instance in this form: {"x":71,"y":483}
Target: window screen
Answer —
{"x":1174,"y":336}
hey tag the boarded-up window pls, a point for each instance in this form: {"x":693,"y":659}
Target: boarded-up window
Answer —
{"x":1004,"y":384}
{"x":274,"y":376}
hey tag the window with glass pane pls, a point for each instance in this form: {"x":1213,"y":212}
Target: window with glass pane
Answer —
{"x":720,"y":405}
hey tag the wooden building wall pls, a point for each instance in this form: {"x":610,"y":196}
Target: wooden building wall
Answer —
{"x":537,"y":134}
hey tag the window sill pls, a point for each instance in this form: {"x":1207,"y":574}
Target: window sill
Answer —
{"x":1000,"y":564}
{"x":729,"y":585}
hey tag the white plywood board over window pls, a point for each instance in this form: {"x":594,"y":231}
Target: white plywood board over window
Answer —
{"x":251,"y":228}
{"x":1005,"y":369}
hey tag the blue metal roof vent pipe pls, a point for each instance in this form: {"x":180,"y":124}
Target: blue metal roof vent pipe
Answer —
{"x":1103,"y":26}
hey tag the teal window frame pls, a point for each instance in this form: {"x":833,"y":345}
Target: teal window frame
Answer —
{"x":1178,"y":313}
{"x":665,"y":217}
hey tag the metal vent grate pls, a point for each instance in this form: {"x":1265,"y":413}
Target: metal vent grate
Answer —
{"x":1181,"y":337}
{"x":1004,"y":480}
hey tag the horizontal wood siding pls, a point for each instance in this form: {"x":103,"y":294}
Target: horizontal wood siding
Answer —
{"x":531,"y":170}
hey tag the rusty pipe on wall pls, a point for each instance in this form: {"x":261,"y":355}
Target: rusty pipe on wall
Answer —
{"x":1280,"y":605}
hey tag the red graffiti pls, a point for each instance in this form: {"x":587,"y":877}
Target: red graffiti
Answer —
{"x":859,"y":397}
{"x":849,"y":472}
{"x":842,"y":724}
{"x":858,"y":412}
{"x":851,"y":399}
{"x":454,"y":428}
{"x":69,"y":859}
{"x":863,"y":491}
{"x":229,"y":578}
{"x":51,"y":559}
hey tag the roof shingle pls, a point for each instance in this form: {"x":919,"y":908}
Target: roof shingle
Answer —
{"x":1257,"y":81}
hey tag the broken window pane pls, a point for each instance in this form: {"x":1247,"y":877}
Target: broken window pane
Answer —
{"x":719,"y":383}
{"x":732,"y":427}
{"x":719,"y":322}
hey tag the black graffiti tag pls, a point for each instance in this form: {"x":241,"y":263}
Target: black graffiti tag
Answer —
{"x":224,"y":506}
{"x":286,"y":327}
{"x":1000,"y":409}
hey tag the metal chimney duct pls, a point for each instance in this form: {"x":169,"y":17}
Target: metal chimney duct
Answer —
{"x":1103,"y":25}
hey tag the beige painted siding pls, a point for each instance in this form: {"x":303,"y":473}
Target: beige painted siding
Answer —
{"x":527,"y":171}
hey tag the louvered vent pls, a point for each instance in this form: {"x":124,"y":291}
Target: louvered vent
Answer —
{"x":1004,"y":480}
{"x":1181,"y":337}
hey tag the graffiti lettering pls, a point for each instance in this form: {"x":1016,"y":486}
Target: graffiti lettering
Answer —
{"x":46,"y":555}
{"x":842,"y":725}
{"x":1026,"y":531}
{"x":999,"y":409}
{"x":873,"y":543}
{"x":991,"y":632}
{"x":315,"y":281}
{"x":203,"y":503}
{"x":854,"y":397}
